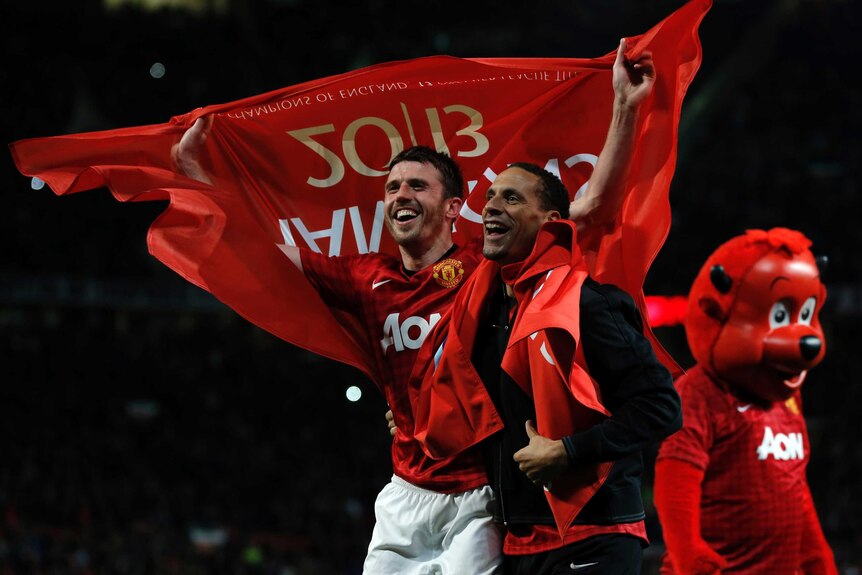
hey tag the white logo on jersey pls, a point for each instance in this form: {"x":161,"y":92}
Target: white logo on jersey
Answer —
{"x":781,"y":446}
{"x":375,"y":285}
{"x":743,"y":408}
{"x":407,"y":335}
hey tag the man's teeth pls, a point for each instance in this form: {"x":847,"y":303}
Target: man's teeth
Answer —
{"x":495,"y":229}
{"x":405,"y":214}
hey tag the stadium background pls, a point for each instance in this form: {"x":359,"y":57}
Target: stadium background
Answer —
{"x":145,"y":428}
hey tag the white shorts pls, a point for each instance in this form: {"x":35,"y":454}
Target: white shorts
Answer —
{"x":421,"y":532}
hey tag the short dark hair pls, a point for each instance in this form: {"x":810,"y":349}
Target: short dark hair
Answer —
{"x":553,"y":193}
{"x":450,"y":172}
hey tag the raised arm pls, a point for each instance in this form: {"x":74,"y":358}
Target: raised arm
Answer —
{"x":186,"y":157}
{"x":633,"y":82}
{"x":185,"y":153}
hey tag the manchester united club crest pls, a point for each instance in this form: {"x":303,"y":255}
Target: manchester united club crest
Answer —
{"x":448,"y":272}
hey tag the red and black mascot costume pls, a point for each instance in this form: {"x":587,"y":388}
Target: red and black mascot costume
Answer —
{"x":730,"y":486}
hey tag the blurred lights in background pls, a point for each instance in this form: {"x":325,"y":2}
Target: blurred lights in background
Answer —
{"x":157,"y":70}
{"x":217,"y":6}
{"x":353,"y":393}
{"x":665,"y":311}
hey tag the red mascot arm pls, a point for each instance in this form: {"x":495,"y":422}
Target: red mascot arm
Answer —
{"x":817,"y":558}
{"x":677,"y":499}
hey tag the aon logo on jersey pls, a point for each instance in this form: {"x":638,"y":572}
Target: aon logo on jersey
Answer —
{"x":408,"y":334}
{"x":781,"y":446}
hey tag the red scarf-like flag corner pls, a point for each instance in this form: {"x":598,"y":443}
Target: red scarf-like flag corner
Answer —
{"x":305,"y":166}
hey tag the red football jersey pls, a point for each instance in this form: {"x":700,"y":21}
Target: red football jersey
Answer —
{"x":754,"y":487}
{"x":396,"y":311}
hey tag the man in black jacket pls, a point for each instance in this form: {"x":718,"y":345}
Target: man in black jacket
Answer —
{"x":570,"y":497}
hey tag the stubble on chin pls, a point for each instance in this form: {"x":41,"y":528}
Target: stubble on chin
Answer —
{"x":491,"y":253}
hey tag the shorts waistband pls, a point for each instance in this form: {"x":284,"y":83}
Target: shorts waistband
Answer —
{"x":409,"y":486}
{"x":403,"y":483}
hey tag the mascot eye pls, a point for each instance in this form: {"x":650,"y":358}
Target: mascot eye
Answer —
{"x":778,"y":315}
{"x":806,"y":313}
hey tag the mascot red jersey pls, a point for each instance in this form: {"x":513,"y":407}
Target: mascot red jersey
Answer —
{"x":730,"y":486}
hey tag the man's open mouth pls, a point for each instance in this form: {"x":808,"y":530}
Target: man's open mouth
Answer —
{"x":495,"y":229}
{"x":405,"y":215}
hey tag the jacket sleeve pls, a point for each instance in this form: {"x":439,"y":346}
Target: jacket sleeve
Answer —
{"x":635,"y":387}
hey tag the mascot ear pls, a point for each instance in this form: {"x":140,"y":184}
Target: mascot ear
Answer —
{"x":711,"y":308}
{"x":822,"y":265}
{"x":720,"y":279}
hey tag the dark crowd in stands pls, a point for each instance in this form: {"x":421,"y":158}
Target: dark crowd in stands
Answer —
{"x":145,"y":428}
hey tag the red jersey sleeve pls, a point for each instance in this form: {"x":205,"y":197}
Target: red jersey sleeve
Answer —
{"x":692,"y":443}
{"x":331,"y":277}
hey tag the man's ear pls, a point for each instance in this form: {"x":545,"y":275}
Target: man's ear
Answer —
{"x":454,"y":207}
{"x":552,"y":215}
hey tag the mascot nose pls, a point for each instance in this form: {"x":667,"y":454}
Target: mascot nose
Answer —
{"x":793,"y":348}
{"x":810,"y":346}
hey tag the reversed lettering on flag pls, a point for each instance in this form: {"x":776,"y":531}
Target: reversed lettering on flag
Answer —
{"x":306,"y":165}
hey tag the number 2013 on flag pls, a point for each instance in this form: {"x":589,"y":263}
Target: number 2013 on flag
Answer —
{"x":337,"y":168}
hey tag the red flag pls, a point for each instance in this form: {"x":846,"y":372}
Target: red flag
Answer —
{"x":305,"y":165}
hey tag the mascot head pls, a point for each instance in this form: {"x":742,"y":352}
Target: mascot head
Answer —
{"x":753,"y":309}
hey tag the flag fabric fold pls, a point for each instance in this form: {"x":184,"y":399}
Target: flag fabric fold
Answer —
{"x":305,"y":166}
